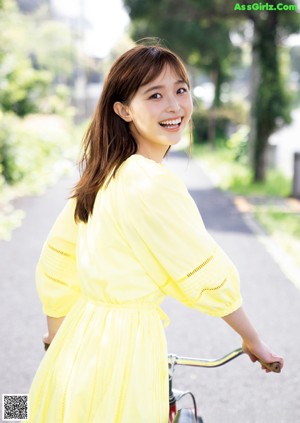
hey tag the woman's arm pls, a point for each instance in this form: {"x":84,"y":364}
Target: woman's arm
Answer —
{"x":252,"y":344}
{"x":53,"y":326}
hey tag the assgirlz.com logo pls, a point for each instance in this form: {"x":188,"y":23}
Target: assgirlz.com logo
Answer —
{"x":281,"y":7}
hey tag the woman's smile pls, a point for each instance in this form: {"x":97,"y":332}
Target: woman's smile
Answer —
{"x":171,"y":124}
{"x":159,"y":112}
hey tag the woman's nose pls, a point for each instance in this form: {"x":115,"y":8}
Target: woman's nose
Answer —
{"x":173,"y":105}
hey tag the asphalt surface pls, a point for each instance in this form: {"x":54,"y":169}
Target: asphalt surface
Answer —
{"x":236,"y":393}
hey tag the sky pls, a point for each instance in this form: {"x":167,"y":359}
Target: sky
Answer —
{"x":108,"y":20}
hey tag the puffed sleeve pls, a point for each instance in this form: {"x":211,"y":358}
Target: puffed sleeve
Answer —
{"x":167,"y":234}
{"x":56,"y":273}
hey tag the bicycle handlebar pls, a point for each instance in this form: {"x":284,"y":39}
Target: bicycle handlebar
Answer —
{"x":200,"y":362}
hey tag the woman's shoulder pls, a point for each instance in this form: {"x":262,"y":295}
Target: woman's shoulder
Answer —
{"x":139,"y":169}
{"x":137,"y":163}
{"x":140,"y":175}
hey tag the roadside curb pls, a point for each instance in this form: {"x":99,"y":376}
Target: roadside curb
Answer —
{"x":245,"y":208}
{"x":286,"y":264}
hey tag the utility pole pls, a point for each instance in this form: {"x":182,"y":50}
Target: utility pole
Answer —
{"x":296,"y":178}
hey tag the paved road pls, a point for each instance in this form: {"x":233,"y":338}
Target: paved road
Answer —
{"x":237,"y":393}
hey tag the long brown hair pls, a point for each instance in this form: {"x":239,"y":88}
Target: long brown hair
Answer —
{"x":109,"y":141}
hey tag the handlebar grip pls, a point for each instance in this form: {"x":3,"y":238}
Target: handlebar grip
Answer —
{"x":273,"y":367}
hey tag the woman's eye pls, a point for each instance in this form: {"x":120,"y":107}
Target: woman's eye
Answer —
{"x":156,"y":96}
{"x":181,"y":91}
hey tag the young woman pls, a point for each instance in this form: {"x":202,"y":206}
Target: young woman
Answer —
{"x":130,"y":235}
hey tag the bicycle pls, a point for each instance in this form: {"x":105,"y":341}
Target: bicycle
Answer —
{"x":189,"y":415}
{"x":185,"y":415}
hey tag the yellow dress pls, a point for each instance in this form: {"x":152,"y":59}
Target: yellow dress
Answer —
{"x":144,"y":241}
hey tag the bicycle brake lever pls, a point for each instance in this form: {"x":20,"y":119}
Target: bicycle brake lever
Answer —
{"x":273,"y":367}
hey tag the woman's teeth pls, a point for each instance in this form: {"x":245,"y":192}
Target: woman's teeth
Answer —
{"x":171,"y":123}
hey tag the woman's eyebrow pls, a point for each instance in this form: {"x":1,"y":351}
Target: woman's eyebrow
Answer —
{"x":159,"y":87}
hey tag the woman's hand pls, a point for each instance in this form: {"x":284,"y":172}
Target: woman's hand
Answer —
{"x":47,"y":339}
{"x":252,"y":344}
{"x":53,"y":326}
{"x":259,"y":351}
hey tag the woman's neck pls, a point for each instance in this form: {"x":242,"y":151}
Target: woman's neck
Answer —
{"x":157,"y":154}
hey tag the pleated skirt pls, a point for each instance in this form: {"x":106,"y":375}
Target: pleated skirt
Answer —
{"x":107,"y":363}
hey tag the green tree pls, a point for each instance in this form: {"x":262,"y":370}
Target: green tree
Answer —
{"x":199,"y":27}
{"x":21,"y":85}
{"x":37,"y":56}
{"x":30,"y":84}
{"x":202,"y":42}
{"x":271,"y":102}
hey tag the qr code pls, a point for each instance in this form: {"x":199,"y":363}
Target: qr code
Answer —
{"x":14,"y":407}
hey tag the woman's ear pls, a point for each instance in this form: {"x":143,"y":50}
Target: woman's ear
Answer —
{"x":123,"y":111}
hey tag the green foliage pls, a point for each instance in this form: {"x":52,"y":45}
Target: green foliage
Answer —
{"x":283,"y":226}
{"x":274,"y":185}
{"x":238,"y":144}
{"x":271,"y":102}
{"x":36,"y":63}
{"x":34,"y":153}
{"x":21,"y":84}
{"x":37,"y":58}
{"x":204,"y":41}
{"x":267,"y":199}
{"x":26,"y":87}
{"x":231,"y":173}
{"x":223,"y":118}
{"x":34,"y":149}
{"x":201,"y":35}
{"x":275,"y":219}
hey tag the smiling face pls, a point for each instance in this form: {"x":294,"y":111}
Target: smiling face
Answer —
{"x":158,"y":113}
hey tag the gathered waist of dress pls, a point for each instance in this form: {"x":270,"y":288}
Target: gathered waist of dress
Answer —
{"x":134,"y":306}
